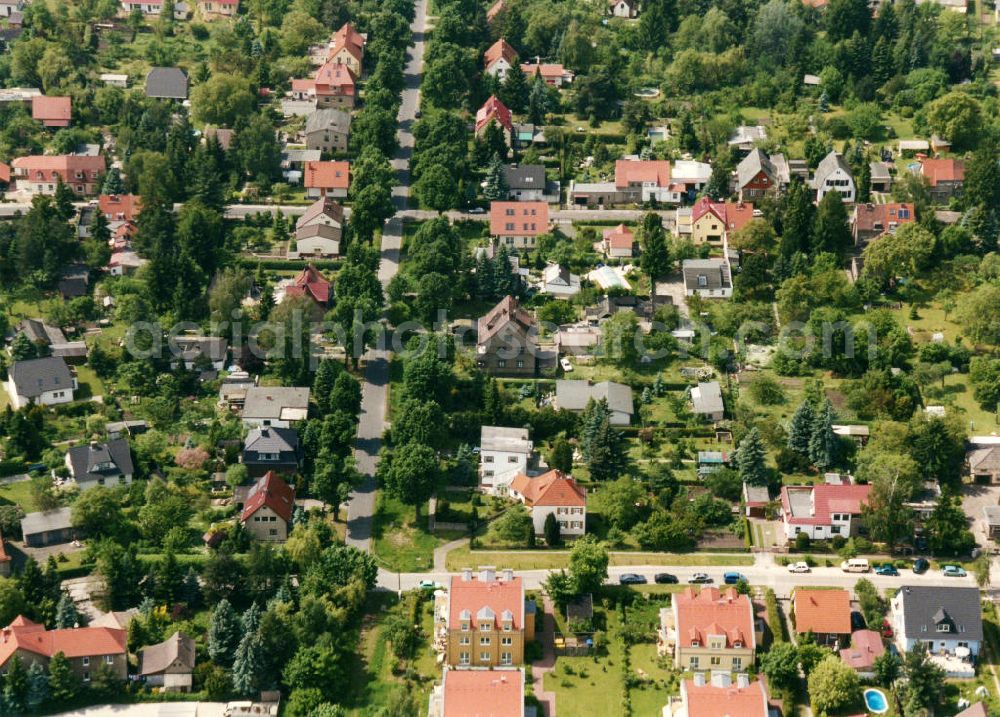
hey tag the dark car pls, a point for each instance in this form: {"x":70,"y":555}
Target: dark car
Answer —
{"x":731,"y":578}
{"x":920,"y":566}
{"x":632,"y":579}
{"x":887,"y":569}
{"x":857,"y":621}
{"x":665,"y":579}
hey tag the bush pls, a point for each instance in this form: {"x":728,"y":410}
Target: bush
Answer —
{"x":802,"y":542}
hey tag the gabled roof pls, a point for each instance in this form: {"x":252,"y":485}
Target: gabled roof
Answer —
{"x":328,"y":118}
{"x":619,"y":237}
{"x":479,"y":591}
{"x":706,"y":206}
{"x":157,"y":658}
{"x":52,"y":110}
{"x":926,"y":607}
{"x":866,"y":645}
{"x":879,"y":217}
{"x":507,"y":312}
{"x":271,"y":491}
{"x":4,"y":172}
{"x":271,"y":440}
{"x":334,"y":75}
{"x":325,"y":206}
{"x":495,"y":9}
{"x":23,"y":634}
{"x":644,"y":171}
{"x":709,"y":700}
{"x":310,"y":282}
{"x":46,"y":521}
{"x":830,"y":164}
{"x":984,"y":459}
{"x":707,"y":398}
{"x":483,"y":693}
{"x":525,"y":176}
{"x":62,"y":165}
{"x":494,"y":109}
{"x":326,"y":175}
{"x":714,"y":612}
{"x":815,"y":504}
{"x":943,"y":170}
{"x":822,"y":611}
{"x":501,"y":49}
{"x":717,"y":273}
{"x":573,"y":395}
{"x":120,"y":207}
{"x":93,"y":461}
{"x":167,"y":82}
{"x":34,"y":377}
{"x":548,"y":71}
{"x":554,"y":488}
{"x":348,"y":38}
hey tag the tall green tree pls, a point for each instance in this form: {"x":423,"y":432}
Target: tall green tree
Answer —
{"x":750,"y":459}
{"x":655,"y":259}
{"x":823,"y":441}
{"x":831,"y":232}
{"x":223,"y":633}
{"x":801,"y":428}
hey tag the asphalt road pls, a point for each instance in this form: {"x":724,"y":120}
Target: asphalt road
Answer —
{"x":375,"y":390}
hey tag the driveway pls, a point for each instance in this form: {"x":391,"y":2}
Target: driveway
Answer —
{"x":974,"y":499}
{"x":675,"y":290}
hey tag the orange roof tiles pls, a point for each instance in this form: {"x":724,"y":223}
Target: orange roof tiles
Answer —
{"x":547,"y":71}
{"x":52,"y":111}
{"x":501,"y":49}
{"x":483,"y":693}
{"x":333,"y":76}
{"x":310,"y":282}
{"x":822,"y":611}
{"x":271,"y":491}
{"x":119,"y":207}
{"x":714,"y":612}
{"x":522,"y":219}
{"x":4,"y":172}
{"x":494,"y":110}
{"x":737,"y":215}
{"x":633,"y":171}
{"x":46,"y":168}
{"x":826,"y":500}
{"x":348,"y":38}
{"x":710,"y":701}
{"x":327,"y":175}
{"x":495,"y":9}
{"x":506,"y":311}
{"x":866,"y":645}
{"x":943,"y":170}
{"x":870,"y":217}
{"x":23,"y":634}
{"x":619,"y":237}
{"x":553,"y":488}
{"x":483,"y":599}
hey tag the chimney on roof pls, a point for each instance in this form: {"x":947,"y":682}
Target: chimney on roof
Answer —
{"x":93,"y":445}
{"x":508,"y":574}
{"x":487,"y":573}
{"x":720,"y":679}
{"x":466,"y":574}
{"x":742,"y":679}
{"x":699,"y":679}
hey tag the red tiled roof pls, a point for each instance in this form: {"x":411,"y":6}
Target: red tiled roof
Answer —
{"x":499,"y":49}
{"x":327,"y":175}
{"x":737,"y":215}
{"x":54,"y":111}
{"x":495,"y":9}
{"x":710,"y":701}
{"x":822,"y":611}
{"x":866,"y":645}
{"x":120,"y":207}
{"x":477,"y":598}
{"x":271,"y":491}
{"x":483,"y":693}
{"x":53,"y":166}
{"x":303,"y":85}
{"x":630,"y":171}
{"x":547,"y":71}
{"x":521,"y":219}
{"x":23,"y":634}
{"x":334,"y":75}
{"x":506,"y":311}
{"x":714,"y":612}
{"x":619,"y":237}
{"x":553,"y":488}
{"x":826,"y":499}
{"x":310,"y":282}
{"x":348,"y":38}
{"x":870,"y":217}
{"x":943,"y":170}
{"x":706,"y":206}
{"x":494,"y":109}
{"x":4,"y":172}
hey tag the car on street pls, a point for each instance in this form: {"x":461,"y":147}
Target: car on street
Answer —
{"x":430,"y":585}
{"x":920,"y":566}
{"x":953,"y":571}
{"x":477,"y":210}
{"x":887,"y":569}
{"x":732,"y":577}
{"x":665,"y":579}
{"x":798,"y":567}
{"x":857,"y":621}
{"x":700,"y":578}
{"x":631,"y":579}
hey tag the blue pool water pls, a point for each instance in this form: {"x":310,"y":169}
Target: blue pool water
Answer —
{"x":876,"y":702}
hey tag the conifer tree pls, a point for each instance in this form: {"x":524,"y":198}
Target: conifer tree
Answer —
{"x":223,"y":633}
{"x":496,"y":180}
{"x":750,"y":459}
{"x":66,"y":614}
{"x":801,"y":428}
{"x":823,"y":442}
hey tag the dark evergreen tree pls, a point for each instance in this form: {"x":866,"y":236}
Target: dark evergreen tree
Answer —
{"x":801,"y":428}
{"x":552,"y":531}
{"x":823,"y":442}
{"x":750,"y":459}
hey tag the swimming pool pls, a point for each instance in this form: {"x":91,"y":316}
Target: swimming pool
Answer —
{"x":875,"y":701}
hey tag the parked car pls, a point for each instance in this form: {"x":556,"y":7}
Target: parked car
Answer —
{"x":733,"y":577}
{"x":566,"y":365}
{"x":700,"y":578}
{"x":430,"y":585}
{"x":887,"y":569}
{"x":857,"y":621}
{"x":665,"y":579}
{"x":631,"y":579}
{"x":953,"y":571}
{"x":798,"y":567}
{"x":886,"y":630}
{"x":477,"y":210}
{"x":920,"y":565}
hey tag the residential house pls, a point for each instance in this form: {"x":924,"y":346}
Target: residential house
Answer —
{"x":5,"y":175}
{"x":526,"y":183}
{"x":552,"y":493}
{"x":479,"y":693}
{"x":107,"y":464}
{"x":866,"y":647}
{"x":347,"y":47}
{"x":328,"y":130}
{"x":199,"y":352}
{"x":86,"y":648}
{"x":506,"y":341}
{"x":211,"y":9}
{"x":756,"y":176}
{"x":223,"y":135}
{"x":713,"y":222}
{"x":503,"y":453}
{"x":52,"y":111}
{"x":40,"y":174}
{"x":720,"y":697}
{"x":499,"y":58}
{"x":558,"y":281}
{"x":709,"y":278}
{"x":648,"y":180}
{"x":169,"y":665}
{"x":268,"y":509}
{"x":575,"y":395}
{"x":4,"y":559}
{"x":153,"y":8}
{"x":117,"y":429}
{"x":493,"y":110}
{"x":859,"y":433}
{"x":517,"y":224}
{"x":119,"y":208}
{"x":945,"y":177}
{"x":833,"y":175}
{"x":746,"y":137}
{"x":486,"y":621}
{"x":45,"y":381}
{"x":706,"y":401}
{"x":326,"y":179}
{"x":984,"y":463}
{"x":624,"y":8}
{"x":293,"y":161}
{"x":9,"y":7}
{"x":74,"y":281}
{"x":311,"y":284}
{"x":881,"y":174}
{"x":948,"y":620}
{"x":319,"y":230}
{"x":939,"y":144}
{"x":113,"y":79}
{"x":607,"y":306}
{"x":334,"y":86}
{"x":618,"y":242}
{"x":124,"y":262}
{"x":270,"y":449}
{"x":824,"y":613}
{"x":48,"y":527}
{"x":979,"y":708}
{"x":53,"y":340}
{"x":823,"y":511}
{"x":711,"y":629}
{"x":991,"y":522}
{"x":169,"y":83}
{"x":755,"y":500}
{"x":873,"y":220}
{"x":276,"y":406}
{"x":553,"y":74}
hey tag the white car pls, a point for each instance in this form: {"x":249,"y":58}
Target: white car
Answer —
{"x":566,"y":365}
{"x":798,"y":568}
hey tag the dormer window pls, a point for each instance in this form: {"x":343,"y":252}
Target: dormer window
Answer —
{"x":485,"y":626}
{"x":695,"y":643}
{"x":944,"y":627}
{"x":465,"y":626}
{"x":738,"y":644}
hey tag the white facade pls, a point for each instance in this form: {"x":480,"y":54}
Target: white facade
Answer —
{"x":936,"y":642}
{"x":838,"y":181}
{"x":499,"y":68}
{"x":318,"y":246}
{"x":572,"y":519}
{"x":622,"y":9}
{"x":47,"y":398}
{"x":839,"y":524}
{"x":504,"y":452}
{"x":7,"y":7}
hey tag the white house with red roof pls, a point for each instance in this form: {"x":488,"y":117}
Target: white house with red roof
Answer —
{"x":326,"y":179}
{"x":499,"y":58}
{"x":479,"y":693}
{"x":822,"y":511}
{"x":553,"y":74}
{"x":493,"y":110}
{"x":86,"y":648}
{"x":720,"y":697}
{"x":211,"y":9}
{"x":645,"y":180}
{"x":39,"y":174}
{"x":618,"y":242}
{"x":268,"y":508}
{"x":553,"y":492}
{"x":518,"y":224}
{"x":714,"y":222}
{"x":154,"y":8}
{"x":52,"y":111}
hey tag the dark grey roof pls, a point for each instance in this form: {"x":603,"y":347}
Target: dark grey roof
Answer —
{"x":527,"y":176}
{"x":322,"y":120}
{"x":97,"y":460}
{"x":45,"y":521}
{"x":38,"y":331}
{"x":34,"y":377}
{"x":751,"y":165}
{"x":272,"y":440}
{"x":167,"y":82}
{"x":74,"y":281}
{"x":716,"y":272}
{"x":926,"y":607}
{"x":191,"y":347}
{"x":830,"y":164}
{"x":574,"y":395}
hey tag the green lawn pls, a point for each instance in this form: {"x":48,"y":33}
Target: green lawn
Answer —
{"x":89,"y":384}
{"x":462,"y":557}
{"x":19,"y":494}
{"x":400,"y":544}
